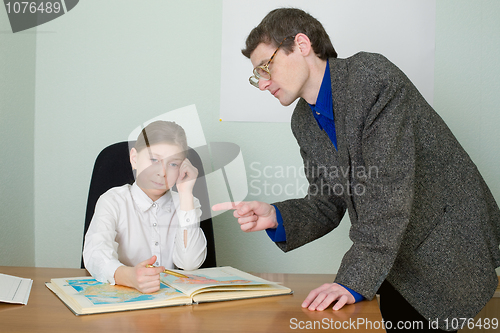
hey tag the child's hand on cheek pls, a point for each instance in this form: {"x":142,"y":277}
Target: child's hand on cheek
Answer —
{"x":185,"y":183}
{"x":187,"y":177}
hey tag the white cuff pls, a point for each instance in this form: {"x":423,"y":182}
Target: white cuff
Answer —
{"x":188,"y":218}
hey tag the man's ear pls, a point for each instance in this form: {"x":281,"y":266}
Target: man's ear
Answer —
{"x":133,"y":158}
{"x":304,"y":44}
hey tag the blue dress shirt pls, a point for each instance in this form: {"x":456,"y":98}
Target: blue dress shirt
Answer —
{"x":323,"y":113}
{"x":323,"y":109}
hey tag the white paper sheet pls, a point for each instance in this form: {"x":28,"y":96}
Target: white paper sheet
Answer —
{"x":14,"y":289}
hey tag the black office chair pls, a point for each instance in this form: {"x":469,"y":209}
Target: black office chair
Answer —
{"x":112,"y":168}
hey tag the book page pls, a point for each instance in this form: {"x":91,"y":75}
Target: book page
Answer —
{"x":86,"y":295}
{"x":213,"y":278}
{"x":240,"y":292}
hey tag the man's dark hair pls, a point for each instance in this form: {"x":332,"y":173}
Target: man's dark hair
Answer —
{"x":285,"y":22}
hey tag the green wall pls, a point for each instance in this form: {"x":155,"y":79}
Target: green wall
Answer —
{"x":107,"y":66}
{"x":17,"y":116}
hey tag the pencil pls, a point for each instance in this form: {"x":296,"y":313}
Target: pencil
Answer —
{"x":170,"y":272}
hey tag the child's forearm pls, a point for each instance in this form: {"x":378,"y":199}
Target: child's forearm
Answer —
{"x":190,"y":253}
{"x":190,"y":242}
{"x":123,"y":276}
{"x":187,"y":201}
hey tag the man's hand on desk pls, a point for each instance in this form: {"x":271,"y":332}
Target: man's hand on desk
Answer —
{"x":321,"y":298}
{"x":251,"y":215}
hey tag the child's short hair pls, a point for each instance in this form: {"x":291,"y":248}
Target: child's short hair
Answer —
{"x":162,"y":132}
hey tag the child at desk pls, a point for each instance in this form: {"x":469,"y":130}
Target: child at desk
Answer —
{"x":136,"y":226}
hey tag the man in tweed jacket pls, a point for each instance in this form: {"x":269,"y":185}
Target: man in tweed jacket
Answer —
{"x":423,"y":219}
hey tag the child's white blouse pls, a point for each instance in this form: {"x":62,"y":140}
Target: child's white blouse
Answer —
{"x":128,"y":228}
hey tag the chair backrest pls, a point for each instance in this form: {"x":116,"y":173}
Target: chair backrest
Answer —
{"x":112,"y":168}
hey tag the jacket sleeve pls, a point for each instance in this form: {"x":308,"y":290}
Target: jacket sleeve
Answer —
{"x":313,"y":216}
{"x":385,"y":100}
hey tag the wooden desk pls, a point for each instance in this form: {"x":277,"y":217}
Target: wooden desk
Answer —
{"x":46,"y":313}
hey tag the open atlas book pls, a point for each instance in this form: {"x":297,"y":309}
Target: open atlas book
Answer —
{"x":85,"y":295}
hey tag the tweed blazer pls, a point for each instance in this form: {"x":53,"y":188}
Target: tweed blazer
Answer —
{"x":421,"y":215}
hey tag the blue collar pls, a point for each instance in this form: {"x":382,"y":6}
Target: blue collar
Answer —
{"x":324,"y":104}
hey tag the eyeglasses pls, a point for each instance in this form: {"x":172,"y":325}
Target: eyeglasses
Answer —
{"x":262,"y":72}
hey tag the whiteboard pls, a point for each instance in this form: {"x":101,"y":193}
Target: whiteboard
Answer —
{"x":403,"y":31}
